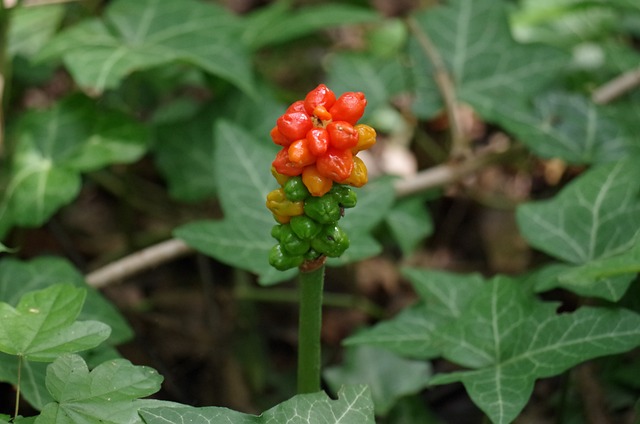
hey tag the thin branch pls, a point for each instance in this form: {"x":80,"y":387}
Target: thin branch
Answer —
{"x":139,"y":261}
{"x":459,"y":141}
{"x":617,"y":87}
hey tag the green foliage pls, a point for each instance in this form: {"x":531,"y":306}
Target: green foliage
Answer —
{"x":504,"y":334}
{"x":108,"y":394}
{"x":194,"y":89}
{"x":43,"y":325}
{"x":388,"y":376}
{"x":352,"y":406}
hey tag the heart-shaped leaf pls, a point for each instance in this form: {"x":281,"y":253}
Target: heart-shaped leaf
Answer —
{"x":42,"y":326}
{"x":147,"y":33}
{"x":353,"y":406}
{"x":54,"y":147}
{"x":107,"y":394}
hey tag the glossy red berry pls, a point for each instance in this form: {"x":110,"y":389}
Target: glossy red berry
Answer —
{"x":294,"y":125}
{"x":319,"y":96}
{"x":349,"y":107}
{"x":342,"y":135}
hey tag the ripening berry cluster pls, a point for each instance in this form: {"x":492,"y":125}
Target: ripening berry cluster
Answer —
{"x":320,"y":139}
{"x":315,"y":168}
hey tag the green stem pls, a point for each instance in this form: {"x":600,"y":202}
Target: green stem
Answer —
{"x":17,"y":407}
{"x":310,"y":324}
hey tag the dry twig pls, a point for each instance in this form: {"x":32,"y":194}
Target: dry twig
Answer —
{"x":616,"y":87}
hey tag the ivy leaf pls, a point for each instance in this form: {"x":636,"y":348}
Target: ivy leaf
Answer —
{"x":569,"y":127}
{"x":107,"y":394}
{"x":593,"y":217}
{"x":353,"y":406}
{"x":485,"y":64}
{"x":54,"y":147}
{"x":611,"y":288}
{"x":520,"y":340}
{"x":414,"y":332}
{"x":149,"y":33}
{"x":388,"y":376}
{"x":43,"y":325}
{"x":32,"y":27}
{"x":278,"y":23}
{"x":597,"y":270}
{"x":241,"y":169}
{"x":409,"y":222}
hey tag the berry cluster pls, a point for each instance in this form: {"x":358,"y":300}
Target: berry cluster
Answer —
{"x":315,"y":168}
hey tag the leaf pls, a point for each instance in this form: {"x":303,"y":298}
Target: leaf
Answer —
{"x":551,"y":277}
{"x":593,"y":217}
{"x":388,"y":376}
{"x":43,"y":325}
{"x":278,"y":23}
{"x":107,"y":394}
{"x":18,"y":278}
{"x":353,"y":406}
{"x":409,"y":222}
{"x":32,"y":27}
{"x":569,"y":127}
{"x":596,"y":270}
{"x":523,"y":340}
{"x":414,"y":332}
{"x":148,"y":33}
{"x":54,"y":147}
{"x":485,"y":64}
{"x":185,"y":150}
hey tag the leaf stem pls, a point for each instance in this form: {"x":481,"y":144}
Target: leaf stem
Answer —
{"x":310,"y":324}
{"x":17,"y":407}
{"x":459,"y":141}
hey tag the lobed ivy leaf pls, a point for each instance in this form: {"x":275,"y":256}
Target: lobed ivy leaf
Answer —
{"x":569,"y":127}
{"x":279,"y":23}
{"x":485,"y":64}
{"x":593,"y":217}
{"x":520,"y":340}
{"x":388,"y":376}
{"x":107,"y":394}
{"x":43,"y":325}
{"x":503,"y":333}
{"x":353,"y":406}
{"x":54,"y":146}
{"x":132,"y":36}
{"x":414,"y":331}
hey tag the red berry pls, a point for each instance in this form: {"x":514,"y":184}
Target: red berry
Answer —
{"x":294,"y":125}
{"x":278,"y":138}
{"x":349,"y":107}
{"x":342,"y":135}
{"x":319,"y":96}
{"x":318,"y":141}
{"x":284,"y":166}
{"x":296,"y":107}
{"x":335,"y":164}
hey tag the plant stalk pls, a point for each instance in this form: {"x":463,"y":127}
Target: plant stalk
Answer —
{"x":17,"y":407}
{"x":310,"y":325}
